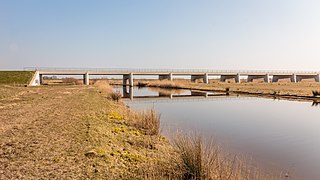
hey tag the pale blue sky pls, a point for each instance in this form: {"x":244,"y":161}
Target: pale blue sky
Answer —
{"x":246,"y":34}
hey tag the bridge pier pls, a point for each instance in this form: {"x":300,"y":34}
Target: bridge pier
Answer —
{"x":128,"y":77}
{"x":127,"y":92}
{"x":267,"y":78}
{"x":166,"y":77}
{"x":236,"y":77}
{"x":86,"y":80}
{"x":204,"y":77}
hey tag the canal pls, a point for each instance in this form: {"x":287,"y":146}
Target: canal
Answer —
{"x":277,"y":135}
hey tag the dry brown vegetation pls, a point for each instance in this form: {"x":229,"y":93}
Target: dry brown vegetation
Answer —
{"x":72,"y":81}
{"x":204,"y":159}
{"x":147,"y":120}
{"x":75,"y":132}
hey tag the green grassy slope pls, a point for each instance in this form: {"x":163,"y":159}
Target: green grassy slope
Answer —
{"x":16,"y":77}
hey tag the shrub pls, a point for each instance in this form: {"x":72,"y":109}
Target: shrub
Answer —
{"x":115,"y":96}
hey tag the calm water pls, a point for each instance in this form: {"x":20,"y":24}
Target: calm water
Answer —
{"x":278,"y":135}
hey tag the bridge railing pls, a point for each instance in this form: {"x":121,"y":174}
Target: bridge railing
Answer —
{"x":149,"y":70}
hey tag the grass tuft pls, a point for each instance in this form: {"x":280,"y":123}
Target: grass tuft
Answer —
{"x":148,"y":121}
{"x":205,"y":160}
{"x":115,"y":96}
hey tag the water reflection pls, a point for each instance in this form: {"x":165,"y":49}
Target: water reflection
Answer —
{"x":128,"y":93}
{"x":315,"y":103}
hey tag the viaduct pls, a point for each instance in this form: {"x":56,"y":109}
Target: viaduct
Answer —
{"x":170,"y":74}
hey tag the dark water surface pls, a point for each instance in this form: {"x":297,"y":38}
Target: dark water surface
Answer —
{"x":279,"y":135}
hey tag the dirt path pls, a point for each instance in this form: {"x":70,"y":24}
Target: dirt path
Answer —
{"x":41,"y":134}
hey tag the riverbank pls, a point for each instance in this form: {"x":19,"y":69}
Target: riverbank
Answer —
{"x":77,"y":132}
{"x":86,"y":132}
{"x":302,"y":91}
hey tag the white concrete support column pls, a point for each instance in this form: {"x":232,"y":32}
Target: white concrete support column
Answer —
{"x":124,"y":80}
{"x":294,"y":78}
{"x":86,"y":80}
{"x":128,"y":77}
{"x":237,"y":78}
{"x":131,"y":92}
{"x":317,"y":78}
{"x":170,"y":77}
{"x":206,"y":78}
{"x":267,"y":78}
{"x":131,"y":79}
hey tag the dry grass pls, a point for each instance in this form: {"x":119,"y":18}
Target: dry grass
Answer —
{"x":73,"y":81}
{"x":205,"y":160}
{"x":167,"y":83}
{"x":148,"y":120}
{"x":105,"y":88}
{"x":74,"y":132}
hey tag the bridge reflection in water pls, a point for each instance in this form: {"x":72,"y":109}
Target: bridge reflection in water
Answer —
{"x":128,"y":93}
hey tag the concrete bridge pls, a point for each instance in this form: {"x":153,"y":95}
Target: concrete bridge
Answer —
{"x":170,"y":74}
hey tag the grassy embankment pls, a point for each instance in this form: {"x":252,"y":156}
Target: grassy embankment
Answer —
{"x":15,"y":77}
{"x":86,"y":132}
{"x":79,"y":132}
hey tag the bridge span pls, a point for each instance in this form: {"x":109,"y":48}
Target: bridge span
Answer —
{"x":170,"y":74}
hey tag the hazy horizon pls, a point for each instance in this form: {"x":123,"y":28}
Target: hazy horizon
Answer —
{"x":236,"y":35}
